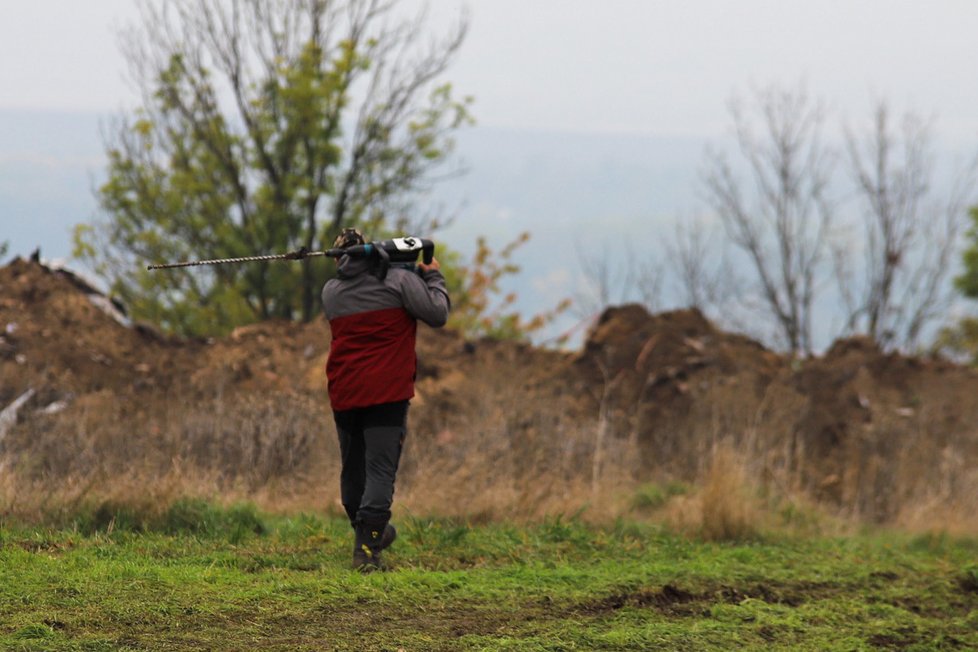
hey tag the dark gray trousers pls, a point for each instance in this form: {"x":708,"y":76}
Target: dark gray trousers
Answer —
{"x":371,"y":440}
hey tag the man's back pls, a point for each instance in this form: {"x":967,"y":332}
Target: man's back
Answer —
{"x":373,"y":323}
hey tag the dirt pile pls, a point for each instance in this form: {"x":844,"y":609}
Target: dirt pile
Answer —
{"x":651,"y":370}
{"x":858,"y":427}
{"x":855,"y":427}
{"x":63,"y":339}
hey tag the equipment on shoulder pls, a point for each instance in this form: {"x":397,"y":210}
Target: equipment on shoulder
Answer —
{"x":396,"y":251}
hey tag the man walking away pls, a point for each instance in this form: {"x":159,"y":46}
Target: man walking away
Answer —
{"x":371,"y":371}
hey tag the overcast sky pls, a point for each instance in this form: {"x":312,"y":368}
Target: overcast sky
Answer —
{"x":607,"y":70}
{"x":660,"y":67}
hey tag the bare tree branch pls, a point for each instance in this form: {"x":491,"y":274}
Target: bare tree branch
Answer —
{"x":783,"y":226}
{"x":616,"y":275}
{"x":910,"y":239}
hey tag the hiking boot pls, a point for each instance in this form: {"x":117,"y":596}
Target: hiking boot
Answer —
{"x":370,"y":540}
{"x":367,"y":561}
{"x":387,"y":538}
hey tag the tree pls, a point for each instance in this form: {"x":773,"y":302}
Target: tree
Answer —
{"x":967,"y":282}
{"x":782,"y":223}
{"x":265,"y":126}
{"x":615,"y":274}
{"x":961,"y":339}
{"x":702,"y":269}
{"x":910,"y":239}
{"x":479,"y":307}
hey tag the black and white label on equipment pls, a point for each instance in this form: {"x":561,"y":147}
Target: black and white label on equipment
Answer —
{"x":407,"y":244}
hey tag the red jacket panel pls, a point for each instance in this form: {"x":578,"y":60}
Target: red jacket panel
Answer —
{"x":371,"y":358}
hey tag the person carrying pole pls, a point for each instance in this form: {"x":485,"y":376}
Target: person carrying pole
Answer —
{"x":370,"y":373}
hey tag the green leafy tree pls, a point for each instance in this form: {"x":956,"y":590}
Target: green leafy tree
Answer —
{"x":967,"y":282}
{"x":265,"y":126}
{"x":961,"y":339}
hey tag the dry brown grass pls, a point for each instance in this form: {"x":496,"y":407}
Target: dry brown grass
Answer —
{"x":727,"y":499}
{"x":501,"y":458}
{"x":270,"y":452}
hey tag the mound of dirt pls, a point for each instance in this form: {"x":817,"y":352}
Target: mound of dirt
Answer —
{"x":658,"y":363}
{"x":63,"y":340}
{"x":856,"y":426}
{"x":844,"y":426}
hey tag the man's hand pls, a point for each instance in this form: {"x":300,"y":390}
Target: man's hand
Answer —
{"x":433,"y":267}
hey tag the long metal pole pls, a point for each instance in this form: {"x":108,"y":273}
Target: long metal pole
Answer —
{"x":292,"y":255}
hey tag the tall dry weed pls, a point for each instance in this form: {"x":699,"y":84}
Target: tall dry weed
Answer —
{"x":505,"y":457}
{"x":728,"y":497}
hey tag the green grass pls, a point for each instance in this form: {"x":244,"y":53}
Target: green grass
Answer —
{"x":199,"y":577}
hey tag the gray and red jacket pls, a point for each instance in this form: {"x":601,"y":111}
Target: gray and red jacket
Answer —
{"x":374,"y":324}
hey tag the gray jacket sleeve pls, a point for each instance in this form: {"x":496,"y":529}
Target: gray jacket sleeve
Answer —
{"x":425,"y":296}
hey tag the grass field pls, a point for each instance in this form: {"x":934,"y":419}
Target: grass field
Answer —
{"x":201,"y":577}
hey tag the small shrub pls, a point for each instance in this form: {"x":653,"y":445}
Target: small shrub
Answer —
{"x":112,"y":516}
{"x":650,"y":497}
{"x":33,"y":632}
{"x":201,"y":518}
{"x":193,"y":516}
{"x":436,"y":533}
{"x":969,"y":579}
{"x":572,"y":531}
{"x":935,"y":542}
